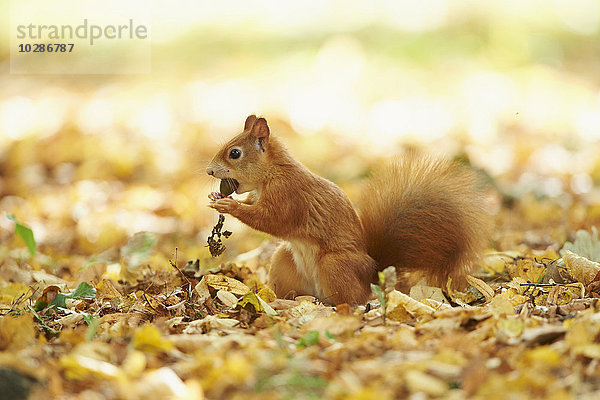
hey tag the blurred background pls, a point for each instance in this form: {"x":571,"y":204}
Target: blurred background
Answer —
{"x":511,"y":87}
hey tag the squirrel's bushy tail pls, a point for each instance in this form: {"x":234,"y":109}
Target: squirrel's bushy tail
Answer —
{"x":424,"y":215}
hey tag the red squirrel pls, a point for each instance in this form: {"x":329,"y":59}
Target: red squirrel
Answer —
{"x":416,"y":213}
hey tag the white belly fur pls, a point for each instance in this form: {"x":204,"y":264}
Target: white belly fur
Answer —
{"x":305,"y":258}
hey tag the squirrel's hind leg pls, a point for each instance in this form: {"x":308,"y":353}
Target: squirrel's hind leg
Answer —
{"x":346,"y":277}
{"x":284,"y":277}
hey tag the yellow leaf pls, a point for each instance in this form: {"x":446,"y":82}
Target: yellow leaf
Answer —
{"x":515,"y":287}
{"x":106,"y":290}
{"x":510,"y":327}
{"x":239,"y":367}
{"x":259,"y":304}
{"x":134,"y":364}
{"x":495,"y":263}
{"x":16,"y":332}
{"x":418,"y":381}
{"x":501,"y":306}
{"x":369,"y":393}
{"x":483,"y":287}
{"x":591,"y":350}
{"x":11,"y":291}
{"x":527,"y":270}
{"x":580,"y":268}
{"x":515,"y":299}
{"x":414,"y":307}
{"x":399,"y":314}
{"x":544,"y":355}
{"x":550,"y":254}
{"x":222,"y":282}
{"x":80,"y":367}
{"x":582,"y":335}
{"x":267,"y":294}
{"x":149,"y":339}
{"x":334,"y":324}
{"x":559,"y":295}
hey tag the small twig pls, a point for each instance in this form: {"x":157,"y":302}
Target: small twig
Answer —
{"x":148,"y":301}
{"x":14,"y":303}
{"x":542,"y":284}
{"x":174,"y":265}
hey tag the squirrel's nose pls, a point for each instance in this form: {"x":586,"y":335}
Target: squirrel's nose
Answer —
{"x":209,"y":170}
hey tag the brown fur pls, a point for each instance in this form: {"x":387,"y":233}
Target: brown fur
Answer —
{"x":417,"y":214}
{"x":424,"y":215}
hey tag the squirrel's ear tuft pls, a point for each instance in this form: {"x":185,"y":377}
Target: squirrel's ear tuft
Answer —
{"x":249,"y":122}
{"x":260,"y":130}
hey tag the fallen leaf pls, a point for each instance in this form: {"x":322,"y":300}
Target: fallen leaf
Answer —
{"x":500,"y":306}
{"x":149,"y":340}
{"x":585,"y":245}
{"x":414,"y":307}
{"x":422,"y":292}
{"x":227,"y":298}
{"x":580,"y":268}
{"x":336,"y":325}
{"x":258,"y":304}
{"x":222,"y":282}
{"x":483,"y":287}
{"x":420,"y":382}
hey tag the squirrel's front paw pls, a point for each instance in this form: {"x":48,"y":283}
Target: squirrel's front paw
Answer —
{"x":225,"y":206}
{"x":214,"y":196}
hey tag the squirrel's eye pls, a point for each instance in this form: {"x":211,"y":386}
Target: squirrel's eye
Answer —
{"x":235,"y":153}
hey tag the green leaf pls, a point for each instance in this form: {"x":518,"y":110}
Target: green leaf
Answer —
{"x":585,"y":245}
{"x":26,"y":234}
{"x":138,"y":249}
{"x":40,"y":305}
{"x":279,"y":338}
{"x":59,"y":301}
{"x":106,"y":256}
{"x":83,"y":291}
{"x":48,"y":332}
{"x":380,"y":295}
{"x":298,"y":380}
{"x":388,"y":278}
{"x":253,"y":303}
{"x":309,"y":339}
{"x":265,"y":306}
{"x":93,"y":324}
{"x":381,"y":276}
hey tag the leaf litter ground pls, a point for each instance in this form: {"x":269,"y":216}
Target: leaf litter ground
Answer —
{"x":127,"y":326}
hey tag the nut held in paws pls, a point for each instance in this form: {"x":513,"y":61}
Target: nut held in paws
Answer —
{"x":228,"y":186}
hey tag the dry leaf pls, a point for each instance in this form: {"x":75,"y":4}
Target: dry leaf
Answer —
{"x":222,"y":282}
{"x":336,"y":325}
{"x":580,"y":268}
{"x":420,"y":382}
{"x":500,"y":306}
{"x":483,"y":287}
{"x":227,"y":298}
{"x":415,"y":308}
{"x":422,"y":292}
{"x":585,"y":245}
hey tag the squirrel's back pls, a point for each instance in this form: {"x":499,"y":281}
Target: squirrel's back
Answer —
{"x":424,"y":215}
